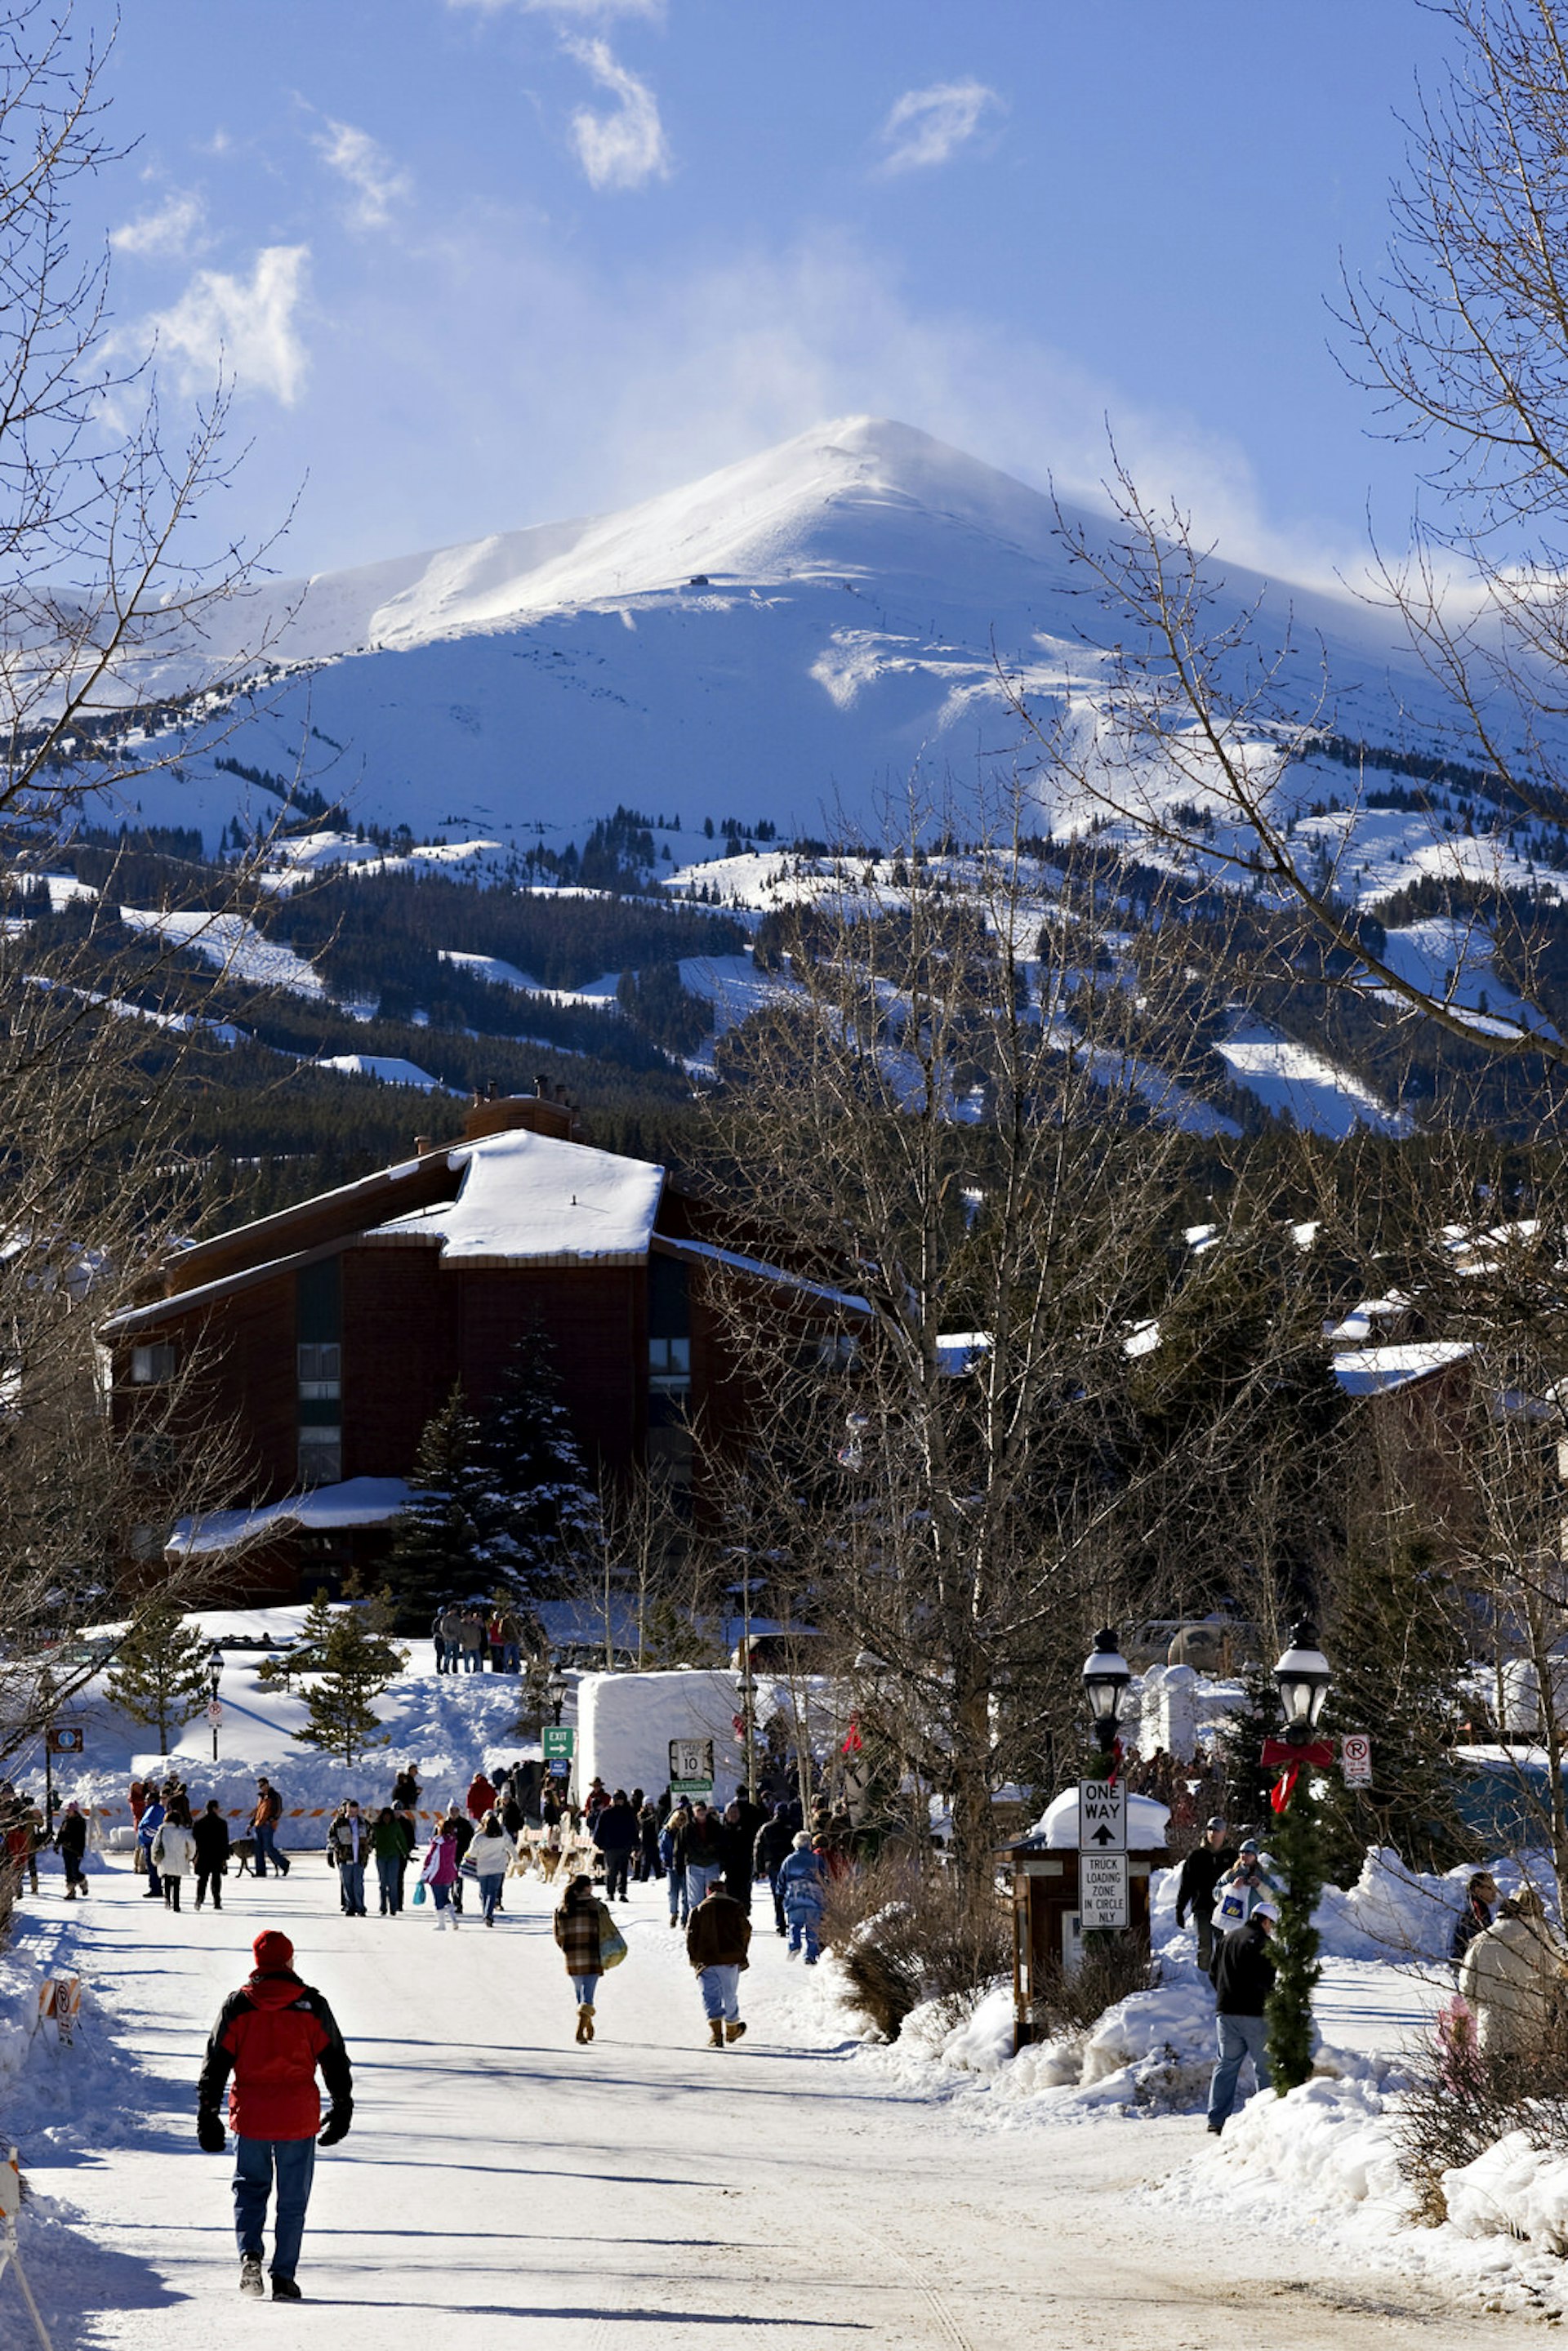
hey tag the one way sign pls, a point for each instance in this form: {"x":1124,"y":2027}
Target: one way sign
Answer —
{"x":1102,"y":1817}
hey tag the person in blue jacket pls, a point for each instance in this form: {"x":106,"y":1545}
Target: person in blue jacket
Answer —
{"x":803,"y":1884}
{"x":147,"y":1828}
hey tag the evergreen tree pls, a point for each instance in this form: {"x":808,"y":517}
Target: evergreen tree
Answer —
{"x":1295,"y":1848}
{"x":539,"y":1510}
{"x":1396,"y":1634}
{"x":442,"y":1548}
{"x":351,"y":1660}
{"x":161,"y":1672}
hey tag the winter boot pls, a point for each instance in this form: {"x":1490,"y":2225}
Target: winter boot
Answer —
{"x":581,"y":2024}
{"x":715,"y":2032}
{"x":734,"y":2031}
{"x":285,"y":2290}
{"x":250,"y":2279}
{"x":440,"y":1922}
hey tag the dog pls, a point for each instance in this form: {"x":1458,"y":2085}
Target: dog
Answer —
{"x":243,"y":1851}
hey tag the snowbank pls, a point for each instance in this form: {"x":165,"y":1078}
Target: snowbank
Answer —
{"x":626,"y":1721}
{"x":1514,"y":2189}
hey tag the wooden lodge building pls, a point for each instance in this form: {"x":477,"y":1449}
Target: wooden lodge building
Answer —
{"x":327,"y":1334}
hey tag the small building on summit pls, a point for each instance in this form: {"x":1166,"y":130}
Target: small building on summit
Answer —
{"x":327,"y":1335}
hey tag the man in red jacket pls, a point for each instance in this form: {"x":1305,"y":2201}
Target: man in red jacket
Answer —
{"x":272,"y":2036}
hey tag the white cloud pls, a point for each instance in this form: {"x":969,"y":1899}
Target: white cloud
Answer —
{"x":170,"y":232}
{"x":927,"y":126}
{"x":626,"y":147}
{"x":369,"y":170}
{"x":244,"y":327}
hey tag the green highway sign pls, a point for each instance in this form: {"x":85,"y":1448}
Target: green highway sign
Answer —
{"x":558,"y":1741}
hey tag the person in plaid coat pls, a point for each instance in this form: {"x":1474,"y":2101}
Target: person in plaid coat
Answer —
{"x":579,"y":1924}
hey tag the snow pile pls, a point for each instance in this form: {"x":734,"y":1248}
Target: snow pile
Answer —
{"x":1326,"y":2143}
{"x":1057,"y":1827}
{"x":1391,"y":1912}
{"x":529,"y":1197}
{"x":626,"y":1722}
{"x":1514,"y":2189}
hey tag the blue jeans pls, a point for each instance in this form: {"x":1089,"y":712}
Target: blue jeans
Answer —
{"x":680,"y":1905}
{"x":1239,"y":2037}
{"x":585,"y":1986}
{"x":266,"y":1850}
{"x":389,"y":1877}
{"x":490,"y":1884}
{"x":473,"y":1661}
{"x":700,"y":1875}
{"x":440,"y":1648}
{"x":805,"y":1922}
{"x":721,"y":1993}
{"x":511,"y":1657}
{"x":155,"y":1883}
{"x":777,"y":1891}
{"x":351,"y":1878}
{"x":256,"y":2160}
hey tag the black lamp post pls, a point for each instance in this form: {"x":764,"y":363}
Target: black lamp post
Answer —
{"x":1105,"y":1676}
{"x":214,"y":1670}
{"x":555,"y":1695}
{"x":1302,"y":1678}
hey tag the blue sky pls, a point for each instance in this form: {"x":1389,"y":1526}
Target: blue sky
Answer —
{"x":480,"y":263}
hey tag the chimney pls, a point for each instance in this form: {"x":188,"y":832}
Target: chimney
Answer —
{"x":422,"y":1144}
{"x":541,"y":1086}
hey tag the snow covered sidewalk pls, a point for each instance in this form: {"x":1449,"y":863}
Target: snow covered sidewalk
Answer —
{"x":502,"y":2187}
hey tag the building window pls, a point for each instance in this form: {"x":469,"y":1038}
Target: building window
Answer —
{"x":150,"y":1366}
{"x":670,"y":1366}
{"x":320,"y":1372}
{"x":321,"y":1456}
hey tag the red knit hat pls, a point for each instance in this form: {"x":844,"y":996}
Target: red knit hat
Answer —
{"x":274,"y":1952}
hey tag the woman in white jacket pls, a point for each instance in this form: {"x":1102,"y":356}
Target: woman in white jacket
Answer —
{"x":174,"y":1853}
{"x":490,"y":1850}
{"x":1512,"y":1976}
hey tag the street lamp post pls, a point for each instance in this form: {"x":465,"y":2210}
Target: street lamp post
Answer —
{"x":1301,"y":1677}
{"x":555,"y":1695}
{"x":214,"y":1711}
{"x":1105,"y":1676}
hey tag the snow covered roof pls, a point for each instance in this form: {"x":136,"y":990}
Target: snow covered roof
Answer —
{"x":355,"y":1503}
{"x":526,"y":1198}
{"x":1377,"y":1370}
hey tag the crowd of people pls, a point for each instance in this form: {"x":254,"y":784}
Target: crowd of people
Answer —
{"x":465,"y":1638}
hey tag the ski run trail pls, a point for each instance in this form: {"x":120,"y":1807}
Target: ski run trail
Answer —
{"x":502,"y":2187}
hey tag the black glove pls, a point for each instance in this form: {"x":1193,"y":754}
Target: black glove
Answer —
{"x":338,"y":2122}
{"x":210,"y":2130}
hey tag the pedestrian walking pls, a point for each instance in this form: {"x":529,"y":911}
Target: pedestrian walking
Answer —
{"x":718,"y":1935}
{"x":349,"y":1844}
{"x":1201,"y":1872}
{"x":210,"y":1834}
{"x":481,"y":1797}
{"x":700,"y":1850}
{"x":490,"y":1853}
{"x":587,"y":1935}
{"x":272,"y":2036}
{"x":392,"y":1841}
{"x":737,"y":1847}
{"x":648,"y":1865}
{"x":669,"y":1840}
{"x":174,"y":1853}
{"x":1243,"y":1979}
{"x":438,"y":1870}
{"x":147,"y":1828}
{"x":803,"y":1894}
{"x":265,"y":1822}
{"x":70,"y":1844}
{"x":462,"y":1830}
{"x":615,"y":1834}
{"x":774,"y":1842}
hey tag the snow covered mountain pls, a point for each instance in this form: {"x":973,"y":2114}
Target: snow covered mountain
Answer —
{"x":784,"y":640}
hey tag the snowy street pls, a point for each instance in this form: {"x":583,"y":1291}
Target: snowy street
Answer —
{"x":517,"y":2190}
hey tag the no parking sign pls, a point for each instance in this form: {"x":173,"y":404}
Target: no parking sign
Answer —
{"x":1355,"y":1759}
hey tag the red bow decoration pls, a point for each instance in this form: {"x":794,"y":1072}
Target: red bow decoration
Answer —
{"x":1114,"y":1772}
{"x":854,"y":1742}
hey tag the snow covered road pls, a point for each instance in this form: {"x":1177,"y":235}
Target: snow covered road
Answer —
{"x":502,"y":2187}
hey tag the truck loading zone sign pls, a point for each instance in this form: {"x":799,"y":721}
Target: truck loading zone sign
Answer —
{"x":1103,"y":1890}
